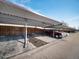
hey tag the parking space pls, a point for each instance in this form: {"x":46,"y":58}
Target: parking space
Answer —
{"x":46,"y":38}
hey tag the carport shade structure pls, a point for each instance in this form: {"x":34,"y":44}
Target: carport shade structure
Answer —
{"x":14,"y":15}
{"x":61,"y":27}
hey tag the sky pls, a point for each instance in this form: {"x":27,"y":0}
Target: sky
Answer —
{"x":61,"y":10}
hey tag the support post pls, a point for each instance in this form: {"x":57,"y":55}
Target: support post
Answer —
{"x":53,"y":34}
{"x":25,"y":39}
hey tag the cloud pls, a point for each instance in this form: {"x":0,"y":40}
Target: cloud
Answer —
{"x":24,"y":1}
{"x":73,"y":22}
{"x":74,"y":18}
{"x":23,"y":5}
{"x":20,"y":1}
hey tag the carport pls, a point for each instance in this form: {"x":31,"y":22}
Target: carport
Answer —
{"x":14,"y":20}
{"x":9,"y":22}
{"x":14,"y":15}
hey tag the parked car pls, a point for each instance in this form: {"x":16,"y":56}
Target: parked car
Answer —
{"x":54,"y":34}
{"x":57,"y":35}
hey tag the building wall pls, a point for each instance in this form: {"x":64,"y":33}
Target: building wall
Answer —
{"x":10,"y":38}
{"x":33,"y":30}
{"x":8,"y":30}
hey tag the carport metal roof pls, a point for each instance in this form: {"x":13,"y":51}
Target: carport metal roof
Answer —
{"x":14,"y":14}
{"x":60,"y":27}
{"x":9,"y":19}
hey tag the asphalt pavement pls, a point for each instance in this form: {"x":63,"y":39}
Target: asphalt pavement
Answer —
{"x":67,"y":48}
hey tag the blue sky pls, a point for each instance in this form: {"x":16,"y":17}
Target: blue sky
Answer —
{"x":60,"y":10}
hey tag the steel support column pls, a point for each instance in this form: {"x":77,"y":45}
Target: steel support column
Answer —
{"x":25,"y":39}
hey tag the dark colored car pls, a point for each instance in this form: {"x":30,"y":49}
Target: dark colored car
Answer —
{"x":54,"y":34}
{"x":57,"y":35}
